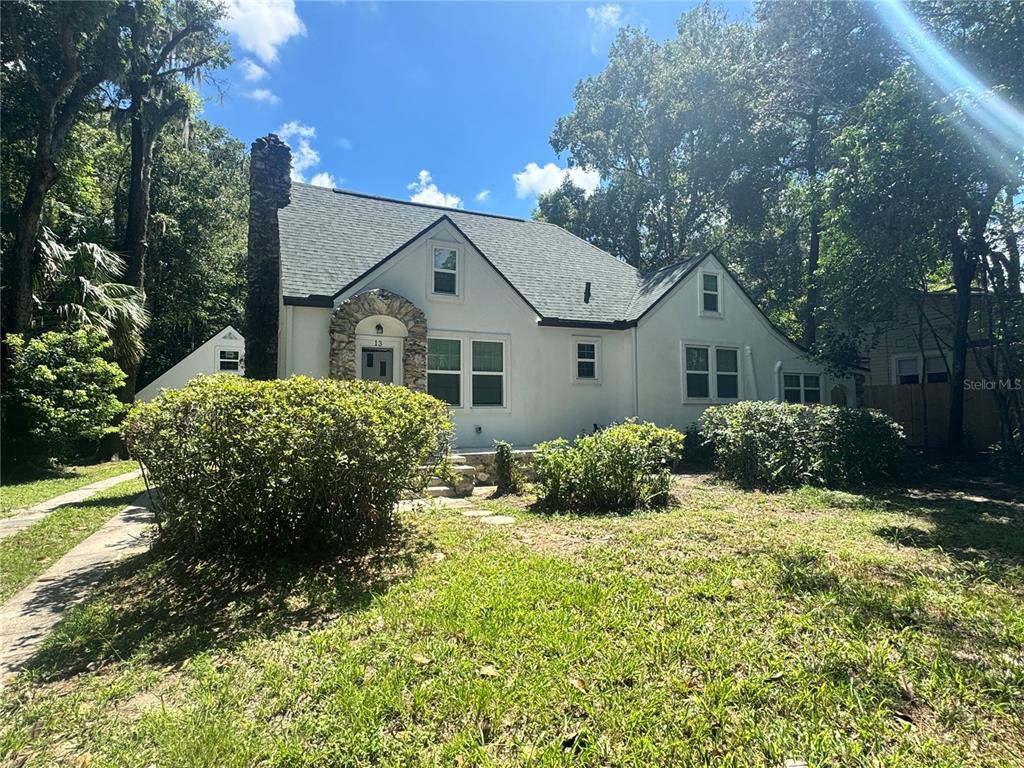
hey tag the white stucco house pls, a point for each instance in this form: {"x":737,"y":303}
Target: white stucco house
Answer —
{"x":525,"y":330}
{"x":224,"y":352}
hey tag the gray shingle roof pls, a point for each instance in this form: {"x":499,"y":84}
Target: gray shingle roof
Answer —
{"x":331,"y":238}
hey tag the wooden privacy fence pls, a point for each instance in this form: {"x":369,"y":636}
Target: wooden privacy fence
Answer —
{"x":906,"y":404}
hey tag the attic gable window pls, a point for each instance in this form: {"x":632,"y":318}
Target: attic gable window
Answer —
{"x":446,"y":270}
{"x":710,"y":294}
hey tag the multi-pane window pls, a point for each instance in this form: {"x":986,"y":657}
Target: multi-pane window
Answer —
{"x":935,"y":371}
{"x":907,"y":370}
{"x":801,"y":388}
{"x":446,"y":270}
{"x":488,"y":376}
{"x":709,"y":292}
{"x":719,"y":366}
{"x":727,"y":374}
{"x":587,"y":360}
{"x":698,"y":374}
{"x":444,"y":370}
{"x":229,"y":360}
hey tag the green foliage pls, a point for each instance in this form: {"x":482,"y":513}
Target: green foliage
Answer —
{"x":779,"y":445}
{"x":250,"y":465}
{"x":617,"y":469}
{"x":59,"y":392}
{"x":509,"y":474}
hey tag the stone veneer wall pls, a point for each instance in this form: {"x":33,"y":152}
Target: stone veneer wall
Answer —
{"x":379,"y":301}
{"x":484,"y":463}
{"x":270,"y":188}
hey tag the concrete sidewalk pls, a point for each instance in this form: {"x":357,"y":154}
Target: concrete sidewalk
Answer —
{"x":23,"y":518}
{"x":32,"y":613}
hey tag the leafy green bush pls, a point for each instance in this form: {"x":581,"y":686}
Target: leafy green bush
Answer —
{"x":508,"y":473}
{"x":620,"y":468}
{"x":777,"y":445}
{"x":58,"y":394}
{"x":255,"y":465}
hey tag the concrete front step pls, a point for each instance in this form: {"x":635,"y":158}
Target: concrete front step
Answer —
{"x":437,"y":491}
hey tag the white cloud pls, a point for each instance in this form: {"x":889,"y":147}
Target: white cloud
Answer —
{"x":262,"y":94}
{"x":295,"y":128}
{"x":424,"y":190}
{"x":304,"y":156}
{"x":252,"y":71}
{"x":536,"y":180}
{"x":262,"y":26}
{"x":483,"y":195}
{"x":607,"y":16}
{"x":323,"y":179}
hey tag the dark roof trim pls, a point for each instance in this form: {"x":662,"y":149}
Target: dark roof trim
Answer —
{"x":422,"y":233}
{"x":422,"y":205}
{"x":611,"y":325}
{"x":313,"y":300}
{"x":672,"y":287}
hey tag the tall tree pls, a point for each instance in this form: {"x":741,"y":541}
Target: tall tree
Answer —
{"x":817,"y":60}
{"x":171,"y":43}
{"x":63,"y":51}
{"x":668,"y":127}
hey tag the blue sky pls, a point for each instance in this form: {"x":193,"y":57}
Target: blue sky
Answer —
{"x":444,"y":102}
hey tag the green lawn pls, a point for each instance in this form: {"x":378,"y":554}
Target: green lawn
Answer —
{"x":32,"y":550}
{"x":24,"y":492}
{"x":739,"y":629}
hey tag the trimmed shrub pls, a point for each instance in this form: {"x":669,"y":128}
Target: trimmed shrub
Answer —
{"x":617,"y":469}
{"x":778,"y":445}
{"x":256,"y":465}
{"x":59,"y":395}
{"x":508,"y":473}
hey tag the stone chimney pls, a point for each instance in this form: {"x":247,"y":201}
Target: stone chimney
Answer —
{"x":269,"y":190}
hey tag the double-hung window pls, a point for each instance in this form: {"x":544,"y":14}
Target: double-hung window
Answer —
{"x":710,"y":295}
{"x":444,"y":370}
{"x":445,"y":271}
{"x":907,"y":370}
{"x":229,"y":360}
{"x":712,"y":372}
{"x":588,"y":359}
{"x":801,"y":388}
{"x":935,"y":371}
{"x":727,"y":373}
{"x":488,"y":373}
{"x":698,"y":373}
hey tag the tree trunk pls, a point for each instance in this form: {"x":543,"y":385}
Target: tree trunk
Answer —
{"x":964,"y":267}
{"x":814,"y":246}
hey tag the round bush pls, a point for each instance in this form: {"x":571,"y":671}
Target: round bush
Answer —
{"x":620,"y":468}
{"x":259,"y":465}
{"x":58,"y":394}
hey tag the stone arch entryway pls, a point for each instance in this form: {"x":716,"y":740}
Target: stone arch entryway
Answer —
{"x":383,"y":319}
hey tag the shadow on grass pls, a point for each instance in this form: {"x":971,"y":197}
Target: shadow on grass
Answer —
{"x":976,"y":530}
{"x":164,"y":608}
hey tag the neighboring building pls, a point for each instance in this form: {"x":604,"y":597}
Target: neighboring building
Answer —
{"x":527,"y":331}
{"x":910,"y":358}
{"x":224,"y":352}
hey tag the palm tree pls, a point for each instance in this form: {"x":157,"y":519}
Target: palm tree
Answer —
{"x":77,"y":287}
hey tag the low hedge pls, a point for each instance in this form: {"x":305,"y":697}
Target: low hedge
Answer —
{"x":778,"y":445}
{"x":620,"y":468}
{"x":257,"y":465}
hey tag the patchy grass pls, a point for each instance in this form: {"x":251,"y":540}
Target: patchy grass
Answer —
{"x":29,"y":552}
{"x":739,"y":629}
{"x":21,"y":492}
